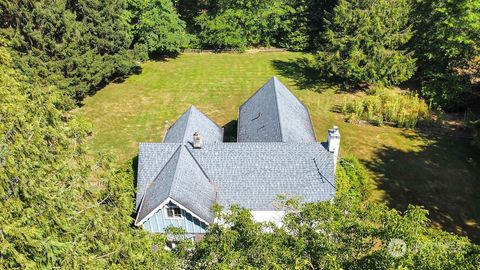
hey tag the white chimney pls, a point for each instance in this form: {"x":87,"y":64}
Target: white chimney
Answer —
{"x":334,"y":142}
{"x":197,"y":140}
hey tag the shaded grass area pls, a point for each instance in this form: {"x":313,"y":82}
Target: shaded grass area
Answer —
{"x":440,"y":173}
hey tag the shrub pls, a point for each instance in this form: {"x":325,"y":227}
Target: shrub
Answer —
{"x":382,"y":105}
{"x":352,"y":179}
{"x":450,"y":92}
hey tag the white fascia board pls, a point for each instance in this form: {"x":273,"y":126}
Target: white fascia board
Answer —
{"x":160,"y":206}
{"x":147,"y":217}
{"x":186,"y":209}
{"x":266,"y":216}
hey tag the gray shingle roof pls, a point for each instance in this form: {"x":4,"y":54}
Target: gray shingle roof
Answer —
{"x":188,"y":123}
{"x":253,"y":174}
{"x":250,"y":173}
{"x":182,"y":180}
{"x":274,"y":114}
{"x":149,"y":158}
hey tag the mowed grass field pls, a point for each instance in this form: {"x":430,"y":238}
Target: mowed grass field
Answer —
{"x":439,"y":172}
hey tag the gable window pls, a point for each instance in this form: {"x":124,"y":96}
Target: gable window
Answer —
{"x":173,"y":212}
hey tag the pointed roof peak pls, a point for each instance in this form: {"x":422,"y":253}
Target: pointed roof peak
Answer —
{"x":191,"y":121}
{"x":183,"y":180}
{"x":193,"y":108}
{"x":274,"y":114}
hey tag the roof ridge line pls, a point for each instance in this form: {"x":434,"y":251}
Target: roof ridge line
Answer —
{"x":321,"y":175}
{"x":146,"y":189}
{"x":254,"y":93}
{"x":208,"y":117}
{"x":189,"y":111}
{"x":198,"y":164}
{"x":176,"y":169}
{"x":299,"y":101}
{"x":278,"y":109}
{"x":203,"y":171}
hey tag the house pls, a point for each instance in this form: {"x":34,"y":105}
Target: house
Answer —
{"x":276,"y":153}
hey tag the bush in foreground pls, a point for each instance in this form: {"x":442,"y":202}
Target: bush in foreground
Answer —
{"x":345,"y":233}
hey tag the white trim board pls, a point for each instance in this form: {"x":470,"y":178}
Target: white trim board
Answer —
{"x":160,"y":206}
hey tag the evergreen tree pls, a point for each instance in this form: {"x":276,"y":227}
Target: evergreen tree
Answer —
{"x":50,"y":213}
{"x":75,"y":45}
{"x":249,"y":23}
{"x":446,"y":40}
{"x":364,"y":41}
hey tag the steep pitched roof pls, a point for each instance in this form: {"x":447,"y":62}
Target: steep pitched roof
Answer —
{"x":149,"y":158}
{"x":188,"y":123}
{"x":182,"y":180}
{"x":274,"y":114}
{"x":253,"y":174}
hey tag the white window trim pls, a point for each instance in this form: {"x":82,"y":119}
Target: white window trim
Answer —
{"x":159,"y":207}
{"x":165,"y":212}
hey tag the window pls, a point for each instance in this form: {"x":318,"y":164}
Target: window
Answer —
{"x":174,"y":212}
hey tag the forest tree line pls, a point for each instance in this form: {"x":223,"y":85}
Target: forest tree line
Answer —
{"x":80,"y":45}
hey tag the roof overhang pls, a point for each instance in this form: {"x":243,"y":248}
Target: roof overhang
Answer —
{"x":160,"y":206}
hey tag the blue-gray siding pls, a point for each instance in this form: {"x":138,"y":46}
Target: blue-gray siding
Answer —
{"x":158,"y":222}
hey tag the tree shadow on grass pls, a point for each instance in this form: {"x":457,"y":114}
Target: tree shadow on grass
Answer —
{"x":444,"y":177}
{"x":305,"y":76}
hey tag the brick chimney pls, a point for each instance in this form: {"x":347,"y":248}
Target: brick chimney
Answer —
{"x":197,"y":140}
{"x":334,"y":142}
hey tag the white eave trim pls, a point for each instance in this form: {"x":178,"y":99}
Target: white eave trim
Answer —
{"x":160,"y":206}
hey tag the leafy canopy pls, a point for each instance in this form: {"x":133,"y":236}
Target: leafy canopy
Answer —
{"x":156,"y":24}
{"x":446,"y":42}
{"x":346,"y":233}
{"x":51,"y":214}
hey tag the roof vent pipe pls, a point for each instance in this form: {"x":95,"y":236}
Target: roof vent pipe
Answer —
{"x":334,"y":142}
{"x":197,"y":140}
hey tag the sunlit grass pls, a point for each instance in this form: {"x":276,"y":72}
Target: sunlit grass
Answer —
{"x":145,"y":105}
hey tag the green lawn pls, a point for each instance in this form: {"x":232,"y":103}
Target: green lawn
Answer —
{"x":441,"y":173}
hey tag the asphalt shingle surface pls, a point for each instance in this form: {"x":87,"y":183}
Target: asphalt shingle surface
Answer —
{"x":276,"y":154}
{"x":274,"y":114}
{"x":190,"y":122}
{"x":184,"y":181}
{"x":253,"y":174}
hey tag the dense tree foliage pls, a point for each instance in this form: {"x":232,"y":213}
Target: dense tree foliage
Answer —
{"x":62,"y":208}
{"x":364,"y":41}
{"x":253,"y":23}
{"x":346,"y":233}
{"x":156,"y":24}
{"x":446,"y":40}
{"x":50,"y":214}
{"x":75,"y":45}
{"x":79,"y":45}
